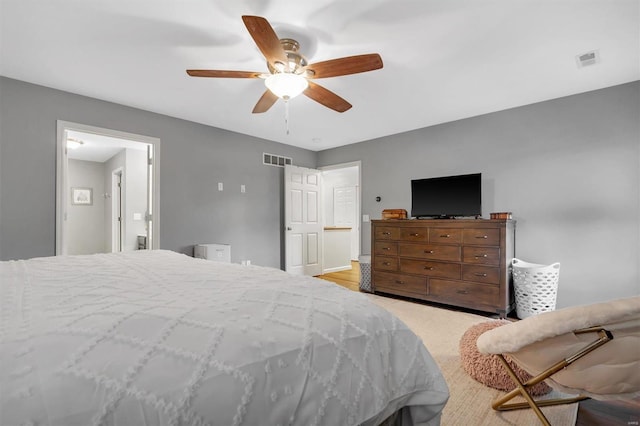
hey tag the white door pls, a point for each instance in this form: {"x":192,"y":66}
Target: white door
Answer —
{"x":303,"y":222}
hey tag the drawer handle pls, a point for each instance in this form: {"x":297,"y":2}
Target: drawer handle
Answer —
{"x":483,"y":237}
{"x":462,"y":292}
{"x":429,"y":268}
{"x":386,"y":248}
{"x":481,"y":275}
{"x":399,"y":282}
{"x":386,"y":233}
{"x":415,"y":235}
{"x":428,"y":251}
{"x":386,"y":263}
{"x":481,"y":256}
{"x":445,"y":236}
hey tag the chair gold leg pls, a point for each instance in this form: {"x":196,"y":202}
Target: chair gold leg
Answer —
{"x":522,"y":391}
{"x":521,"y":388}
{"x":541,"y":403}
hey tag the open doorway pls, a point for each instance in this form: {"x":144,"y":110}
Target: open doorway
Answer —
{"x":117,"y":174}
{"x":341,"y":204}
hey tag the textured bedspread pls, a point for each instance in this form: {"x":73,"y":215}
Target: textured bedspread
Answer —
{"x":159,"y":338}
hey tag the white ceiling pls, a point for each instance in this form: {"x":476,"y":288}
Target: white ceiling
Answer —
{"x":444,"y":60}
{"x":99,"y":148}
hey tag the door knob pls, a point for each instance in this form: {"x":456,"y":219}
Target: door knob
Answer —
{"x":289,"y":228}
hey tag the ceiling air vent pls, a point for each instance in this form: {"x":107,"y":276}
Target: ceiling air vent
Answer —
{"x":275,"y":160}
{"x":588,"y":58}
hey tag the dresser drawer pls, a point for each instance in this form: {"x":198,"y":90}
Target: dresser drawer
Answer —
{"x":430,"y":251}
{"x":385,"y":263}
{"x":399,"y":284}
{"x":463,"y":293}
{"x":456,"y":262}
{"x":414,"y":234}
{"x":445,"y":235}
{"x":483,"y":274}
{"x":481,"y":237}
{"x":387,"y":233}
{"x":430,"y":269}
{"x":385,"y":248}
{"x":481,"y":255}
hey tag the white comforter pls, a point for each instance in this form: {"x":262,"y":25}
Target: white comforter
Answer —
{"x":159,"y":338}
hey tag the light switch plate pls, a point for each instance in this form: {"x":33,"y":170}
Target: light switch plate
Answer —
{"x":220,"y":186}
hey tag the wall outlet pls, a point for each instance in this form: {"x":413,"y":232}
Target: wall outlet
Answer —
{"x":220,"y":186}
{"x":365,"y":218}
{"x":245,"y":262}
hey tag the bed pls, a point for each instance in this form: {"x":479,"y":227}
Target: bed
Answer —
{"x":159,"y":338}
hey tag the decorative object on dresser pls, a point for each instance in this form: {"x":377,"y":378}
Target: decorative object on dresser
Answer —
{"x":500,"y":215}
{"x":394,"y":214}
{"x":461,"y":262}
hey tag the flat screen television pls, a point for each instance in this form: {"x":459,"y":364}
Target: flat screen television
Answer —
{"x":446,"y":197}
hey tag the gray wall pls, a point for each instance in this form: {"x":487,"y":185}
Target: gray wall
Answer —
{"x":568,"y":169}
{"x":86,"y":223}
{"x":133,"y":163}
{"x":136,"y":195}
{"x":193,"y":158}
{"x":118,"y":161}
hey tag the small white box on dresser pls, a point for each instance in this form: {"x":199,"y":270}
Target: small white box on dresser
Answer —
{"x":217,"y":252}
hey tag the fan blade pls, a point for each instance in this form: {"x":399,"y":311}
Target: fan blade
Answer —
{"x":265,"y":102}
{"x":326,"y":97}
{"x":224,"y":74}
{"x":345,"y":66}
{"x":266,"y":40}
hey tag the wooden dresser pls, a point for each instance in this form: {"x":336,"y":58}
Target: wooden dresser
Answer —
{"x":461,"y":262}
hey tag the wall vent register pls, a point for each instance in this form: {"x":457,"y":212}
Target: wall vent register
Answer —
{"x":275,"y":160}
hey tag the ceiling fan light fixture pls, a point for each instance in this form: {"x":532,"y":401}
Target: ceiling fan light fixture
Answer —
{"x":286,"y":85}
{"x":289,"y":72}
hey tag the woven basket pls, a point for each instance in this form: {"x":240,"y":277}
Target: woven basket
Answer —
{"x":536,"y":287}
{"x":365,"y":274}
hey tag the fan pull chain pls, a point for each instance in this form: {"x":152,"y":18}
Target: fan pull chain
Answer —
{"x":286,"y":115}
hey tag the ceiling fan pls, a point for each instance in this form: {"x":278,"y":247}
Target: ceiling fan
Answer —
{"x":289,"y":73}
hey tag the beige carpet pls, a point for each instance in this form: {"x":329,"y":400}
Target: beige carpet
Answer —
{"x":470,"y":401}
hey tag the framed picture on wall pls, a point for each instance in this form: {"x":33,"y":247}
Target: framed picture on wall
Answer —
{"x":82,"y":196}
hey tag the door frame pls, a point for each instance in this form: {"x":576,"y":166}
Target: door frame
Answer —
{"x":117,"y":228}
{"x":62,"y":187}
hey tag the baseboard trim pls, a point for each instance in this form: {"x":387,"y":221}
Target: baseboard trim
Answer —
{"x":337,"y":269}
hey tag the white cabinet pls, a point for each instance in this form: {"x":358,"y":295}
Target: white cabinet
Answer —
{"x":337,"y":249}
{"x":217,"y":252}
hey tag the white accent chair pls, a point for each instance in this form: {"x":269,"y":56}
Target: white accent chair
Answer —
{"x":592,"y":351}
